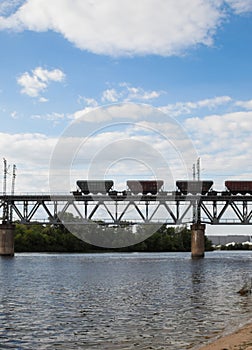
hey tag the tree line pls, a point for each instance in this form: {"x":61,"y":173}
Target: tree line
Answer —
{"x":49,"y":238}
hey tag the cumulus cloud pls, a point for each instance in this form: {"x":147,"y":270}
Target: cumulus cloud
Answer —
{"x":9,"y":6}
{"x":130,"y":93}
{"x":123,"y":92}
{"x":225,"y":139}
{"x":110,"y":95}
{"x":163,"y":147}
{"x":43,"y":99}
{"x":36,"y":82}
{"x":180,"y":108}
{"x":31,"y":153}
{"x":134,"y":145}
{"x":117,"y":28}
{"x":129,"y":111}
{"x":244,"y":104}
{"x":88,"y":101}
{"x":240,"y":6}
{"x":50,"y":116}
{"x":227,"y":125}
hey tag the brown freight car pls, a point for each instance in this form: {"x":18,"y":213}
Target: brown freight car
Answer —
{"x":194,"y":186}
{"x":145,"y":186}
{"x":239,"y":187}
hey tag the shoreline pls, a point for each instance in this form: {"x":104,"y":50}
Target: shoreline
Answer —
{"x":241,"y":339}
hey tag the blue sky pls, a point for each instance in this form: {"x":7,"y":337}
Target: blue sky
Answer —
{"x":189,"y":59}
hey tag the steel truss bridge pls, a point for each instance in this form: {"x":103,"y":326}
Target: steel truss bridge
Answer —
{"x":167,"y":208}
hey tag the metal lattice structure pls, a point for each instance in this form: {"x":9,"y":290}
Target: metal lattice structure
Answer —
{"x":169,"y":208}
{"x":226,"y":210}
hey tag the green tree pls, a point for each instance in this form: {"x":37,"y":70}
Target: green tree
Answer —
{"x":49,"y":238}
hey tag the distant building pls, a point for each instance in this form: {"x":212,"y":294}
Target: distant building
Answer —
{"x":223,"y":240}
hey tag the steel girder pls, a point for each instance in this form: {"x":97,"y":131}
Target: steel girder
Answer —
{"x":170,"y":209}
{"x":55,"y":209}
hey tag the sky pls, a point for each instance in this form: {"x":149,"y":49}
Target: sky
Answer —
{"x":143,"y":88}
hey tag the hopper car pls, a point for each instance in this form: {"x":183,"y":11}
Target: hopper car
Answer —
{"x":95,"y":186}
{"x":144,"y":187}
{"x":193,"y":186}
{"x":239,"y":187}
{"x":154,"y":187}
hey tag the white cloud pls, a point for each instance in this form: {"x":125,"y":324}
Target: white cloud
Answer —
{"x":150,"y":95}
{"x":125,"y":92}
{"x":43,"y":99}
{"x":88,"y":101}
{"x":112,"y":27}
{"x":131,"y":93}
{"x":31,"y":153}
{"x":240,"y":6}
{"x":83,"y":114}
{"x":224,"y":141}
{"x":9,"y":6}
{"x":180,"y":108}
{"x":110,"y":95}
{"x":142,"y":143}
{"x":50,"y":116}
{"x":14,"y":115}
{"x":153,"y":148}
{"x":227,"y":125}
{"x":244,"y":104}
{"x":36,"y":82}
{"x":128,"y":111}
{"x":32,"y":86}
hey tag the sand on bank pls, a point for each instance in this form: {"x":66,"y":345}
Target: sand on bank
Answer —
{"x":239,"y":340}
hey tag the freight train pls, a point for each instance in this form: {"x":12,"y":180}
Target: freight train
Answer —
{"x":103,"y":187}
{"x":154,"y":187}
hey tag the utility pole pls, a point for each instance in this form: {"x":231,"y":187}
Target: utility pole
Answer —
{"x":13,"y":179}
{"x":5,"y":176}
{"x":198,"y":169}
{"x":12,"y":189}
{"x":194,"y":171}
{"x":5,"y":206}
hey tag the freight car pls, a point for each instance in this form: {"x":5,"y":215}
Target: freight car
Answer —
{"x":145,"y":186}
{"x":95,"y":186}
{"x":152,"y":187}
{"x":193,"y":186}
{"x":239,"y":187}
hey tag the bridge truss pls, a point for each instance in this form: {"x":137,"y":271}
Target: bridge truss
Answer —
{"x":169,"y":208}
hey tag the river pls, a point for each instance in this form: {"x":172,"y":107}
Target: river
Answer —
{"x":121,"y":301}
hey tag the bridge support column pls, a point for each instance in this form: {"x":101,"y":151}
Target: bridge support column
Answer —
{"x":7,"y":239}
{"x":198,"y":240}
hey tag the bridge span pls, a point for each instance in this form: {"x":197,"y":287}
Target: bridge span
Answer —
{"x":169,"y":208}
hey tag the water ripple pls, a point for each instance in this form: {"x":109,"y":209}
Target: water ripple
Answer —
{"x":120,"y":301}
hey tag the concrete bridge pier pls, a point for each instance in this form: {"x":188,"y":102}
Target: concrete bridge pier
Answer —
{"x":198,"y":240}
{"x":7,"y":239}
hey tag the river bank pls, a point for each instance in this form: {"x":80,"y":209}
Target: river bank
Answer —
{"x":241,"y":339}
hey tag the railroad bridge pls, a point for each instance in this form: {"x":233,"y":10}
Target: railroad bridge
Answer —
{"x":114,"y":208}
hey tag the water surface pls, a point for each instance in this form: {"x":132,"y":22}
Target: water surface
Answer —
{"x":121,"y":301}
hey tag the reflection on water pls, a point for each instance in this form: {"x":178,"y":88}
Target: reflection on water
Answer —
{"x":120,"y":301}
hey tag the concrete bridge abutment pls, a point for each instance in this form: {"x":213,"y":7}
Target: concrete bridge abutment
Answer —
{"x":198,"y":241}
{"x":7,"y":239}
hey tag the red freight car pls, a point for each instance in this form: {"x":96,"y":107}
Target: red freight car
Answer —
{"x":239,"y":187}
{"x":194,"y":186}
{"x":145,"y":186}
